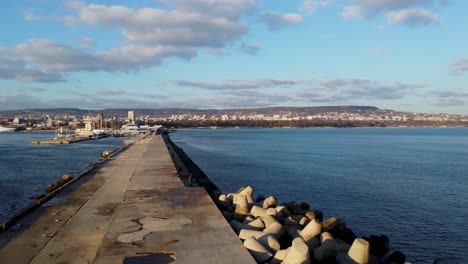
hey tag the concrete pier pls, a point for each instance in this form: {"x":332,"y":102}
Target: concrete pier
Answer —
{"x":134,"y":210}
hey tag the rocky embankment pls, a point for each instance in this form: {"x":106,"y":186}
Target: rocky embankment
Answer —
{"x":295,"y":233}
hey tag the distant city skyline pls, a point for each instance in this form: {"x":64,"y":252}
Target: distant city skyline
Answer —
{"x":407,"y":55}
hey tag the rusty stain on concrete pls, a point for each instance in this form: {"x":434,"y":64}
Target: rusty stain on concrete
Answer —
{"x":179,"y":200}
{"x":106,"y":209}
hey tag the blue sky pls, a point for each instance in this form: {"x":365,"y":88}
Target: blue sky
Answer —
{"x":409,"y":55}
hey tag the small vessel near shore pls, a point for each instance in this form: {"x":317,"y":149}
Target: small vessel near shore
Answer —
{"x":7,"y":129}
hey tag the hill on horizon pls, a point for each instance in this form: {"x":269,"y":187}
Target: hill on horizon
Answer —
{"x":178,"y":111}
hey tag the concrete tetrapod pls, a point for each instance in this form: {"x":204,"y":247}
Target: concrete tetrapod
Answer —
{"x":271,"y":211}
{"x":275,"y":229}
{"x":249,"y":190}
{"x":257,"y":224}
{"x":270,"y":242}
{"x":268,"y":220}
{"x":242,"y":206}
{"x":258,"y":211}
{"x":357,"y":254}
{"x":327,"y":249}
{"x":298,"y":253}
{"x":282,"y":211}
{"x":279,"y":256}
{"x":269,"y":202}
{"x":311,"y":230}
{"x":246,"y":234}
{"x":258,"y":251}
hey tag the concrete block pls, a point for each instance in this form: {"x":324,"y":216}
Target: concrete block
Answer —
{"x":258,"y":251}
{"x":311,"y":230}
{"x":268,"y":220}
{"x":258,"y":211}
{"x":358,"y":253}
{"x":279,"y":256}
{"x":246,"y":233}
{"x":298,"y":253}
{"x":310,"y":215}
{"x":275,"y":229}
{"x":242,"y":206}
{"x":270,"y":242}
{"x":269,"y":202}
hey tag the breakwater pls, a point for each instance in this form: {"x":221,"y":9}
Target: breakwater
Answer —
{"x":380,"y":248}
{"x":135,"y":209}
{"x":26,"y":169}
{"x":53,"y":189}
{"x":290,"y":232}
{"x":200,"y":177}
{"x":391,"y":181}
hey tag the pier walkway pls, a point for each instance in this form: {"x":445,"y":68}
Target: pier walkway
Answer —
{"x":134,"y":210}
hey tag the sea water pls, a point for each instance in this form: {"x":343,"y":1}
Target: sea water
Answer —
{"x":27,"y":169}
{"x":410,"y":184}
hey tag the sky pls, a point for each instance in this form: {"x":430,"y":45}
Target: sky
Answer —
{"x":407,"y":55}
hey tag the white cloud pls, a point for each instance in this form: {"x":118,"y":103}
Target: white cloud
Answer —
{"x":311,"y":6}
{"x":412,"y":17}
{"x":42,"y":60}
{"x":459,"y":66}
{"x":151,"y":34}
{"x":239,"y":84}
{"x":250,"y":48}
{"x":85,"y":42}
{"x":276,"y":21}
{"x":359,"y":88}
{"x":111,"y":91}
{"x":369,"y":8}
{"x":181,"y":26}
{"x":353,"y":12}
{"x":406,"y":12}
{"x":449,"y":102}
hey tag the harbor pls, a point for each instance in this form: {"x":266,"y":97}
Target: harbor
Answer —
{"x":134,"y":208}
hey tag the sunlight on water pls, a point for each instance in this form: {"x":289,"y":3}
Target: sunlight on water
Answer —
{"x":410,"y":184}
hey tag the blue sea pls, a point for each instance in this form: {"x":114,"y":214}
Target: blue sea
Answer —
{"x":410,"y":184}
{"x":26,"y":169}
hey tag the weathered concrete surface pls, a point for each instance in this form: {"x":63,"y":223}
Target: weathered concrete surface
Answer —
{"x":140,"y":213}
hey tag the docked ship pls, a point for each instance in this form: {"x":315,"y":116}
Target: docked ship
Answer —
{"x":7,"y":129}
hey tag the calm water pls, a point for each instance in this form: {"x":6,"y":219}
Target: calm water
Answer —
{"x":409,"y":184}
{"x":26,"y":169}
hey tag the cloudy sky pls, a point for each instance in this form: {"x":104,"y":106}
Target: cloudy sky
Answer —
{"x":409,"y":55}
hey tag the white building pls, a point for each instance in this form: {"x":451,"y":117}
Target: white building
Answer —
{"x":131,"y":117}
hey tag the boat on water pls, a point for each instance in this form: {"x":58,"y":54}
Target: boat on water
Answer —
{"x":7,"y":129}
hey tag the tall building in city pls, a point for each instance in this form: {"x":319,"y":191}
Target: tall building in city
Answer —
{"x":131,"y":116}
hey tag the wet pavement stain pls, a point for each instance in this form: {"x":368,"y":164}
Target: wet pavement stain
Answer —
{"x":153,"y":224}
{"x":106,"y":209}
{"x":150,"y":258}
{"x":179,"y":200}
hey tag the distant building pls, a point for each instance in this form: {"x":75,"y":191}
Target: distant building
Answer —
{"x":48,"y":123}
{"x":88,"y":129}
{"x":98,"y":121}
{"x":18,"y":120}
{"x":131,"y":117}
